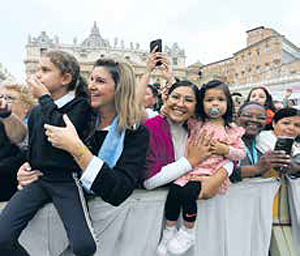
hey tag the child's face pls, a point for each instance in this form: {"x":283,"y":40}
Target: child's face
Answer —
{"x":215,"y":103}
{"x":50,"y":76}
{"x":258,"y":96}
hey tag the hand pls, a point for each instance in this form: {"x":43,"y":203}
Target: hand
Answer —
{"x":25,"y":175}
{"x":264,"y":164}
{"x":167,"y":70}
{"x":210,"y":184}
{"x":205,"y":183}
{"x":65,"y":138}
{"x":164,"y":111}
{"x":36,"y":87}
{"x":219,"y":148}
{"x":280,"y":161}
{"x":153,"y":58}
{"x":198,"y":148}
{"x":164,"y":92}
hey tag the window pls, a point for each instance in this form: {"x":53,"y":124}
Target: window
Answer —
{"x":43,"y":51}
{"x":175,"y":61}
{"x":267,"y":48}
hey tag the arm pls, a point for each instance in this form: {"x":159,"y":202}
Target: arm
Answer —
{"x":115,"y":184}
{"x":210,"y":184}
{"x":152,"y":59}
{"x":77,"y":107}
{"x":236,"y":150}
{"x":198,"y":150}
{"x":77,"y":112}
{"x":247,"y":171}
{"x":173,"y":171}
{"x":168,"y":173}
{"x":13,"y":125}
{"x":168,"y":75}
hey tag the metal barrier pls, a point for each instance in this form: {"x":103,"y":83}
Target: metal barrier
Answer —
{"x":238,"y":223}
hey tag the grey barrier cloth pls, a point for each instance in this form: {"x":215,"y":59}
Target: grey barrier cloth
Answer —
{"x":294,"y":202}
{"x":235,"y":224}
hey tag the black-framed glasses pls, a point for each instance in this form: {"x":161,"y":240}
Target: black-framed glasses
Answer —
{"x":257,"y":117}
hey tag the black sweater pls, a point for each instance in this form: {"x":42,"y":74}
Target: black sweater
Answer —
{"x":116,"y":184}
{"x":11,"y":158}
{"x":55,"y":163}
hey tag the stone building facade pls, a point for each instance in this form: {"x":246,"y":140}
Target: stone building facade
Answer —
{"x":269,"y":59}
{"x":5,"y":76}
{"x":95,"y":46}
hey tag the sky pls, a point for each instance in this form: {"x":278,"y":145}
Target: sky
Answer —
{"x":208,"y":31}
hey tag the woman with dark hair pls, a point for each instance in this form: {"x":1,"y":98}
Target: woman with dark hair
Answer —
{"x":172,"y":154}
{"x":286,"y":123}
{"x":252,"y":117}
{"x":261,"y":95}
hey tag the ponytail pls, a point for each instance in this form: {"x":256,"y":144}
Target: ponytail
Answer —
{"x":81,"y":87}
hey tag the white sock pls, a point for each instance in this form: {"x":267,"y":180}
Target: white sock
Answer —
{"x":190,"y":231}
{"x":171,"y":228}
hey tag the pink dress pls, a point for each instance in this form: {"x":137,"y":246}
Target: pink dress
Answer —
{"x":231,"y":136}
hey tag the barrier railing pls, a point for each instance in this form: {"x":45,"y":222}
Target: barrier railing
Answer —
{"x":235,"y":224}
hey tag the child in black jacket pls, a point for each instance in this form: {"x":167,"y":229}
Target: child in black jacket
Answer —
{"x":60,"y":90}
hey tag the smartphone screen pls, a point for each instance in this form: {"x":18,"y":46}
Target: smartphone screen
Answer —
{"x":284,"y":143}
{"x":153,"y":44}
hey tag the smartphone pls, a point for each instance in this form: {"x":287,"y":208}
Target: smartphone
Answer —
{"x":5,"y":112}
{"x":285,"y":144}
{"x":153,"y":44}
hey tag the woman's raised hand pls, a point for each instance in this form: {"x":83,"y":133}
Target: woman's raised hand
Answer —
{"x":65,"y":138}
{"x":152,"y":59}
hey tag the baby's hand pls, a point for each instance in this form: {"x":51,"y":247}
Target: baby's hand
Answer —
{"x":219,"y":148}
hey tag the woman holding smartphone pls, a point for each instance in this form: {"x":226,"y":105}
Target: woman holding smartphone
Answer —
{"x":286,"y":123}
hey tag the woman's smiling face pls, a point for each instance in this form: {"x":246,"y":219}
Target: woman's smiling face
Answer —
{"x":288,"y":126}
{"x":181,"y":104}
{"x":252,"y":119}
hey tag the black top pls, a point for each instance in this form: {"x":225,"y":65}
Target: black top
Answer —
{"x":11,"y":158}
{"x":55,"y":163}
{"x":116,"y":184}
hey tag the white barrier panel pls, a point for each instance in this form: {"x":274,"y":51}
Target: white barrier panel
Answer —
{"x":294,"y":203}
{"x":236,"y":224}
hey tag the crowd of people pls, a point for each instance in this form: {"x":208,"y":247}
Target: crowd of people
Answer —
{"x":62,"y":140}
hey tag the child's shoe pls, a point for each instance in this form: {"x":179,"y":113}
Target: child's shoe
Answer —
{"x":167,"y":235}
{"x":182,"y":241}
